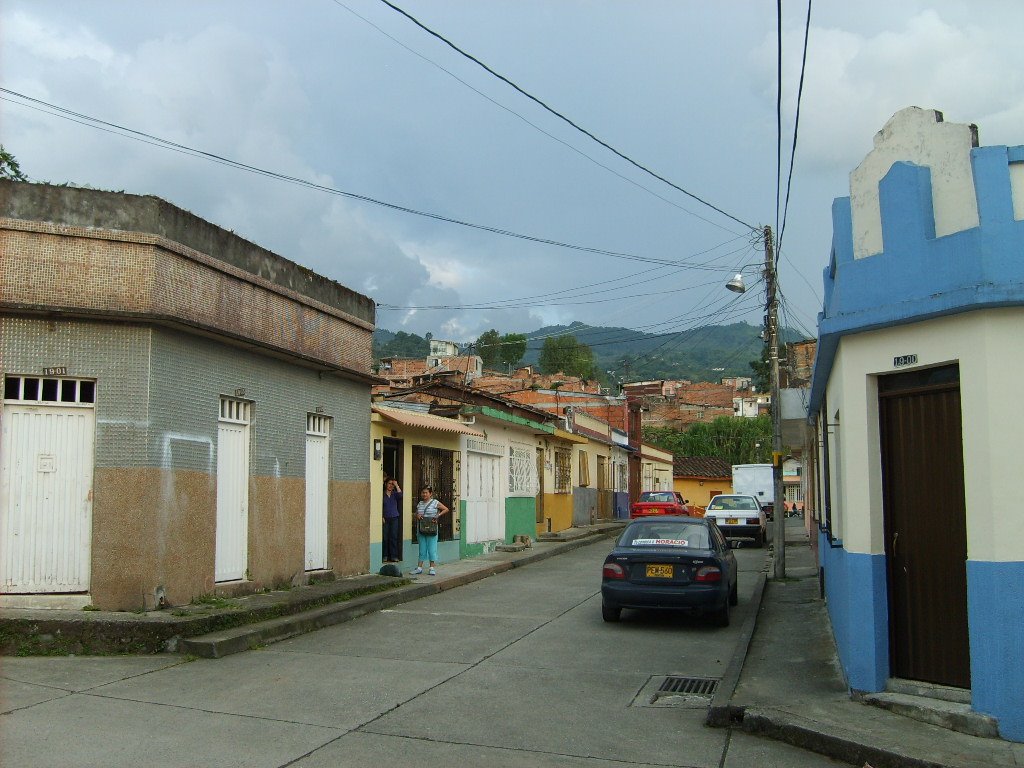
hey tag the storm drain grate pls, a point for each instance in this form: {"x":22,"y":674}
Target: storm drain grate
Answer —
{"x":687,"y":686}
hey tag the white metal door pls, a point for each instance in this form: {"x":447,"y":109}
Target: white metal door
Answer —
{"x":485,"y":513}
{"x":317,"y":451}
{"x":232,"y":548}
{"x":46,"y":498}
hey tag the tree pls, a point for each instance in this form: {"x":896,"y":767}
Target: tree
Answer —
{"x":568,"y":355}
{"x":513,"y":347}
{"x":734,"y":439}
{"x":9,"y":168}
{"x":488,"y":346}
{"x":762,"y":371}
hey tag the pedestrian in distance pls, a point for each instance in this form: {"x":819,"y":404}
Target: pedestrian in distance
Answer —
{"x":428,"y":511}
{"x":392,"y":513}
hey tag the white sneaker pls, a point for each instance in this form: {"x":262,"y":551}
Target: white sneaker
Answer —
{"x":416,"y":570}
{"x":432,"y":572}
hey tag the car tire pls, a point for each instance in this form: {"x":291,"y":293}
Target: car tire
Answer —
{"x":734,"y":593}
{"x":610,"y":613}
{"x":720,"y":618}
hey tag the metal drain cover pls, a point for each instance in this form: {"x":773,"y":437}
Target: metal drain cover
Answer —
{"x":676,"y":691}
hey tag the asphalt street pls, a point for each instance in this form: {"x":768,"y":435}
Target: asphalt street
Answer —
{"x":515,"y":670}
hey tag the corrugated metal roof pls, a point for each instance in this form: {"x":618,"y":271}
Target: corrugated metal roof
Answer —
{"x":426,"y":421}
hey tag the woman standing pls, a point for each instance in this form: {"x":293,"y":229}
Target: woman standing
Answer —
{"x":392,"y":513}
{"x":428,"y":510}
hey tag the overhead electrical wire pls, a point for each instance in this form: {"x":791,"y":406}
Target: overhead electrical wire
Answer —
{"x":796,"y":125}
{"x":522,"y":118}
{"x":561,"y":116}
{"x":147,"y":138}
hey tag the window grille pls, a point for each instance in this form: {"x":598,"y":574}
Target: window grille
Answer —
{"x":318,"y":425}
{"x":623,"y":483}
{"x":521,"y":466}
{"x":563,"y":470}
{"x":235,"y":411}
{"x":55,"y":391}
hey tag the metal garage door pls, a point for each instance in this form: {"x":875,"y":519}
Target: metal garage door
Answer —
{"x":232,"y":553}
{"x":46,"y":485}
{"x":317,"y":451}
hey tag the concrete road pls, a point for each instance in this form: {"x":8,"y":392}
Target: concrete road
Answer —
{"x":515,"y":670}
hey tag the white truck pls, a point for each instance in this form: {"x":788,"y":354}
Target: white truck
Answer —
{"x":755,"y":480}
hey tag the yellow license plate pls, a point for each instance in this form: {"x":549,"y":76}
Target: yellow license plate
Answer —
{"x":659,"y":571}
{"x":732,"y":521}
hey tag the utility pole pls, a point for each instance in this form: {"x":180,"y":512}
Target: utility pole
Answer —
{"x":772,"y":327}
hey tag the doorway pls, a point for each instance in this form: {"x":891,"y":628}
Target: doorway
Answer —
{"x":925,"y":525}
{"x":394,"y":466}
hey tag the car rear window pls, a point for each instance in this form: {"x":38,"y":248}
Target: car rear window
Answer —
{"x":660,"y":534}
{"x":732,"y":502}
{"x":659,"y":496}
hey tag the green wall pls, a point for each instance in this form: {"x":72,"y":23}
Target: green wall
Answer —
{"x":520,"y":517}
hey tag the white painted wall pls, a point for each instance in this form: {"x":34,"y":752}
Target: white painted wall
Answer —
{"x":1017,"y":189}
{"x":913,"y":135}
{"x":989,"y":347}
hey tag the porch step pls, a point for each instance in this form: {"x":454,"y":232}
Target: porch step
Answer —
{"x":928,"y":690}
{"x":215,"y":645}
{"x":510,"y":548}
{"x":953,"y":715}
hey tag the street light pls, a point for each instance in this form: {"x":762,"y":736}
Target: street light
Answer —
{"x":736,"y":285}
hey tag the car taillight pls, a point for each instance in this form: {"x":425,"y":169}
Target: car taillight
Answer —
{"x":613,"y":571}
{"x":708,"y":573}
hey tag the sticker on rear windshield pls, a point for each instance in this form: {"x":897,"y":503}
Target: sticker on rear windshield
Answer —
{"x":660,"y":542}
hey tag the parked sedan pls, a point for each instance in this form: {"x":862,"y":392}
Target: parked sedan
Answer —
{"x":658,"y":503}
{"x":674,"y":563}
{"x":739,"y":517}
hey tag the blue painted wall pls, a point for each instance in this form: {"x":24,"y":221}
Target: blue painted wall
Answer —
{"x":995,"y":609}
{"x":621,"y":505}
{"x":858,"y":605}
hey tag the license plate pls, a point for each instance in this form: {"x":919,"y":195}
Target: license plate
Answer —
{"x":732,"y":521}
{"x":659,"y":571}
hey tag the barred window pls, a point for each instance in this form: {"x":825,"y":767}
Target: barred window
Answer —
{"x":521,"y":466}
{"x":563,"y":470}
{"x":623,"y":483}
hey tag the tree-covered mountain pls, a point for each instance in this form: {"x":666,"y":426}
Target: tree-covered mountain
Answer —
{"x":701,"y":354}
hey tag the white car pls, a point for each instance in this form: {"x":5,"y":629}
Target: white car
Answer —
{"x":738,"y":516}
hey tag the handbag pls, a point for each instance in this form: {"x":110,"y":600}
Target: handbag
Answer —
{"x":427,"y":526}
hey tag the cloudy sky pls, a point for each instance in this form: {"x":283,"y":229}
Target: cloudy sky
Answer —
{"x":352,"y":96}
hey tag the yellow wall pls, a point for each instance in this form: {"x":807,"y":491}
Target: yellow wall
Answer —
{"x":410,"y":436}
{"x":557,"y":508}
{"x":700,"y":494}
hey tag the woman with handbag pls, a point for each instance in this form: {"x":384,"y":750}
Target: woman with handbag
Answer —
{"x":428,"y":510}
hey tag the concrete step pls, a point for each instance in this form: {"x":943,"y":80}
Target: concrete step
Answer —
{"x":928,"y":690}
{"x":215,"y":645}
{"x":953,"y":715}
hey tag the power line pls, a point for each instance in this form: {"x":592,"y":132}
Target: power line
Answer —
{"x":562,"y":117}
{"x":147,"y":138}
{"x":520,"y":117}
{"x":796,"y":126}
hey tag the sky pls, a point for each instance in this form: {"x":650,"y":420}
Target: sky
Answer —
{"x":353,"y":96}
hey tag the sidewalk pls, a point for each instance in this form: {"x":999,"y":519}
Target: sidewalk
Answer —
{"x":791,"y":688}
{"x":216,"y":627}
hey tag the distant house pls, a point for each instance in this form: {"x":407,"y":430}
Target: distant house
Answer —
{"x":921,"y":535}
{"x":699,"y":478}
{"x":184,"y":412}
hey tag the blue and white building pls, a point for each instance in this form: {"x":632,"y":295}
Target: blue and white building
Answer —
{"x":913,"y":401}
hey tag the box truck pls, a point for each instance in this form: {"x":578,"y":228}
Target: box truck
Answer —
{"x":755,"y":480}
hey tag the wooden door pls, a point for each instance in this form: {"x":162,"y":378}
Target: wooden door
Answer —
{"x":925,"y":526}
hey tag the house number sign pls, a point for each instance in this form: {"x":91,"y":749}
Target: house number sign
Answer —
{"x":904,"y":360}
{"x":59,"y":370}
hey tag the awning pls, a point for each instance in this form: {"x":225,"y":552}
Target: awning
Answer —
{"x":425,"y":421}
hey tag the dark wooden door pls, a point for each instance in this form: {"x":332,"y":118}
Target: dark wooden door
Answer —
{"x":925,"y":526}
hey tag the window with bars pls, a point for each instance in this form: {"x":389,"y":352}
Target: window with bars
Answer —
{"x":318,"y":425}
{"x":563,"y":470}
{"x":521,"y":466}
{"x":235,"y":411}
{"x":39,"y":389}
{"x":623,"y":482}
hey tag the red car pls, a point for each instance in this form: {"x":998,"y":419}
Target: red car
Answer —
{"x":659,"y":503}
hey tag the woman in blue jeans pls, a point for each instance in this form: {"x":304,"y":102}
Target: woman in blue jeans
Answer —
{"x":426,"y":509}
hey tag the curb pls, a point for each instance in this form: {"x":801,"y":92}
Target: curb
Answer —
{"x":807,"y":735}
{"x":722,"y":713}
{"x":216,"y":645}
